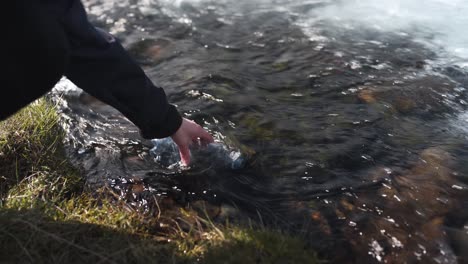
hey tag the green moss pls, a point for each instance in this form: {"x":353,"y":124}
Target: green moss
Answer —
{"x":280,"y":66}
{"x":258,"y":128}
{"x":47,"y":216}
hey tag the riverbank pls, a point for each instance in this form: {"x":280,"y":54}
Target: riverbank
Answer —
{"x":47,"y":215}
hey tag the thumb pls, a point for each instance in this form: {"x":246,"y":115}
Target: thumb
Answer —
{"x":184,"y":154}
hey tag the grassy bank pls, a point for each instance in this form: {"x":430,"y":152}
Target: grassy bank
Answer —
{"x":47,"y":216}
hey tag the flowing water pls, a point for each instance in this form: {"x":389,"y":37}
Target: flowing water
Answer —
{"x":352,"y":116}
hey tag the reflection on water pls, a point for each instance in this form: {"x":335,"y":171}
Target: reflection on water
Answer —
{"x":356,"y":135}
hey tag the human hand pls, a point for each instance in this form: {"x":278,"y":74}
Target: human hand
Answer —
{"x":190,"y":133}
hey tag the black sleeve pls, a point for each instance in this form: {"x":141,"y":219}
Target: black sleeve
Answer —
{"x":34,"y":53}
{"x":103,"y":68}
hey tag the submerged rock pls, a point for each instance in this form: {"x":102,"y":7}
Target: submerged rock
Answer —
{"x":410,"y":217}
{"x":152,"y":51}
{"x":166,"y":153}
{"x":404,"y":105}
{"x":367,"y":96}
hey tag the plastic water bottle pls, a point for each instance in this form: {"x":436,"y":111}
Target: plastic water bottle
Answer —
{"x":218,"y":155}
{"x":165,"y":151}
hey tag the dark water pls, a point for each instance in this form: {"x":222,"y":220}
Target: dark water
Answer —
{"x":356,"y":137}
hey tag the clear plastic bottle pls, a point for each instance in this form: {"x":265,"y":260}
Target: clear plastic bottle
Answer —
{"x":166,"y":153}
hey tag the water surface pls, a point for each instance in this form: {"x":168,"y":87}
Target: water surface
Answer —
{"x":352,"y":114}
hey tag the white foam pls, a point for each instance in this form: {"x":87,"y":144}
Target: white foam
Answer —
{"x":438,"y":23}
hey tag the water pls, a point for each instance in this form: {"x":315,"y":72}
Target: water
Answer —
{"x":351,"y":116}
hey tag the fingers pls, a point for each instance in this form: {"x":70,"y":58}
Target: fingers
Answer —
{"x":205,"y":137}
{"x":190,"y":133}
{"x":202,"y":139}
{"x":184,"y":153}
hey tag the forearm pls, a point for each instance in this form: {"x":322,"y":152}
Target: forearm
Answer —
{"x":113,"y":77}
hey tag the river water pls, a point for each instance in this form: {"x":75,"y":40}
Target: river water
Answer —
{"x":352,"y":116}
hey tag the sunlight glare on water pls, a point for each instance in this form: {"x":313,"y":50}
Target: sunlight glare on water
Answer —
{"x":439,"y":22}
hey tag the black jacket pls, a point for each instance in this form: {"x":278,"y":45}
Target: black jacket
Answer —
{"x":51,"y":38}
